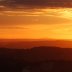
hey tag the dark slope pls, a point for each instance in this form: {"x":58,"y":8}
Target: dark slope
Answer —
{"x":37,"y":59}
{"x":37,"y":53}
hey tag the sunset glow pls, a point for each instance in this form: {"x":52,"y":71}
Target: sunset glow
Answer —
{"x":45,"y":23}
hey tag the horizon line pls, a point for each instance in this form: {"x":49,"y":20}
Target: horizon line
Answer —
{"x":46,"y":39}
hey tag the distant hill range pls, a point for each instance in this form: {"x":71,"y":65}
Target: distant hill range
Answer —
{"x":29,"y":43}
{"x":42,"y":53}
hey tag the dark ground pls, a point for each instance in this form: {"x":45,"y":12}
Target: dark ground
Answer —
{"x":38,"y":59}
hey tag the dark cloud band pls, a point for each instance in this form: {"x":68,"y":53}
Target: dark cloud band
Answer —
{"x":35,"y":3}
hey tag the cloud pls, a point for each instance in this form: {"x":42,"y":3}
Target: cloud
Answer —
{"x":32,"y":4}
{"x":43,"y":16}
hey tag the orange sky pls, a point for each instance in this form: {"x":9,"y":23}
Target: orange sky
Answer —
{"x":45,"y":23}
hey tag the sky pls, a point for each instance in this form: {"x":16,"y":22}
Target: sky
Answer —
{"x":36,"y":19}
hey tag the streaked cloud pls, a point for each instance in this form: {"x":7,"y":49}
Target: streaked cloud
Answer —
{"x":37,"y":16}
{"x":33,"y":4}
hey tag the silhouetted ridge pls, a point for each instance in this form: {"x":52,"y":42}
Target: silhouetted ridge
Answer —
{"x":37,"y":53}
{"x":37,"y":59}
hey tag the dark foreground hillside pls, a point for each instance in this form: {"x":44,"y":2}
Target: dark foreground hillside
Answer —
{"x":37,"y":59}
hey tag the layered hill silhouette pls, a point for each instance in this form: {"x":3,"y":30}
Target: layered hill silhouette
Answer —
{"x":41,"y":53}
{"x":37,"y":59}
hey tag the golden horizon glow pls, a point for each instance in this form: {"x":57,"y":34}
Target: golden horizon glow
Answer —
{"x":37,"y":24}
